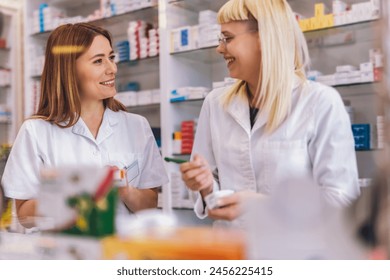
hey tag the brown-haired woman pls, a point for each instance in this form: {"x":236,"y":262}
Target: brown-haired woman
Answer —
{"x":78,"y":122}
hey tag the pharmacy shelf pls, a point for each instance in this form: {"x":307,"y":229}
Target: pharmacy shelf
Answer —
{"x":188,"y":101}
{"x":336,"y":27}
{"x":73,"y":4}
{"x":355,"y":84}
{"x":207,"y":55}
{"x":144,"y":13}
{"x":139,"y":66}
{"x":11,"y":59}
{"x":143,"y":107}
{"x":360,"y":90}
{"x":132,"y":63}
{"x":198,"y":5}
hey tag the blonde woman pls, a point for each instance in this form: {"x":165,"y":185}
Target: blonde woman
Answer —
{"x":273,"y":132}
{"x":79,"y":122}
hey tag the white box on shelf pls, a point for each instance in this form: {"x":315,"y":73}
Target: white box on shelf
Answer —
{"x":156,"y":96}
{"x":366,"y":67}
{"x":367,"y":77}
{"x":144,"y":97}
{"x":345,"y":68}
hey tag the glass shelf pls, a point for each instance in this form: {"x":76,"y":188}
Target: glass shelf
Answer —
{"x":131,"y":63}
{"x":198,"y":5}
{"x":144,"y":66}
{"x":71,"y":3}
{"x":348,"y":25}
{"x":143,"y":107}
{"x":187,"y":100}
{"x":144,"y":13}
{"x":371,"y":150}
{"x":355,"y":84}
{"x":208,"y":55}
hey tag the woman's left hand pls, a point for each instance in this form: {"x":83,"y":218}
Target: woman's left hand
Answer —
{"x":230,"y":209}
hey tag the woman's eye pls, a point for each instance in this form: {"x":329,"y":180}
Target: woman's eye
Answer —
{"x":98,"y":61}
{"x":112,"y":57}
{"x":228,"y":39}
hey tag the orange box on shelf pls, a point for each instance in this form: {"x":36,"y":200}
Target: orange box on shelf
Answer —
{"x":190,"y":243}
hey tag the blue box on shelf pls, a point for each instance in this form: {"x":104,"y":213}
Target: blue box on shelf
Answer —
{"x":362,"y":135}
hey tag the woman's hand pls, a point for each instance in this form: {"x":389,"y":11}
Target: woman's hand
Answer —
{"x":230,"y":208}
{"x":197,"y":175}
{"x":233,"y":206}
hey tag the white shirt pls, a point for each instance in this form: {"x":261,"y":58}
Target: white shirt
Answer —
{"x":123,"y":139}
{"x":312,"y":150}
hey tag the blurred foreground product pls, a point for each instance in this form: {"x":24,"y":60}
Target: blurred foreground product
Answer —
{"x":78,"y":200}
{"x":6,"y":215}
{"x":181,"y":244}
{"x":5,"y":210}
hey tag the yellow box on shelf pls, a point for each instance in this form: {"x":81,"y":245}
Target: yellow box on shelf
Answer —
{"x":319,"y":9}
{"x":322,"y":22}
{"x":301,"y":25}
{"x":317,"y":23}
{"x":329,"y":20}
{"x":304,"y":24}
{"x":313,"y":24}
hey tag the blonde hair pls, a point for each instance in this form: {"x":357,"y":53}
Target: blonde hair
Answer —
{"x":284,"y":54}
{"x":60,"y":98}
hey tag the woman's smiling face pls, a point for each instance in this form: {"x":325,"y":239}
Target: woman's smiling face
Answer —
{"x":96,"y":71}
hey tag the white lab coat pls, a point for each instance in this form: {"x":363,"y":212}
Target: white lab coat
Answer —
{"x":310,"y":156}
{"x":123,"y":139}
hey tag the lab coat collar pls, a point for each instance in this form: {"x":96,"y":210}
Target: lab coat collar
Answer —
{"x":238,"y":108}
{"x":110,"y":119}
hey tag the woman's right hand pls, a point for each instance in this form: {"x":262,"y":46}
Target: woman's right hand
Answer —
{"x":197,"y":175}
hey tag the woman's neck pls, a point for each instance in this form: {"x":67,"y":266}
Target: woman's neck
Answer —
{"x":92,"y":115}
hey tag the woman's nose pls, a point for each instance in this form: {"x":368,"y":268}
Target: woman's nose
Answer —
{"x":220,"y":48}
{"x":111,"y":68}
